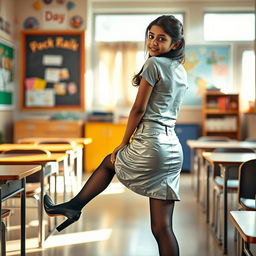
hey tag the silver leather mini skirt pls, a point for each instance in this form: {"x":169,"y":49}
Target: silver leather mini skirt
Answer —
{"x":150,"y":165}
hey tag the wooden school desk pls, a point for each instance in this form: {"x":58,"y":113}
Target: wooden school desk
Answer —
{"x":49,"y":167}
{"x":198,"y":146}
{"x":224,"y":160}
{"x":245,"y":223}
{"x":74,"y":151}
{"x":12,"y":182}
{"x":82,"y":141}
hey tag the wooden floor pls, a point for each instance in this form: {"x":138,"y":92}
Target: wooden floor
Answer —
{"x":117,"y":223}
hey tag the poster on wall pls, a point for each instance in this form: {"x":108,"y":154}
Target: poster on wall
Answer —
{"x":52,"y":70}
{"x":208,"y":68}
{"x":6,"y":75}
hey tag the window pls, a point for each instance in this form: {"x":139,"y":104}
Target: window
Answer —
{"x":229,"y":26}
{"x":248,"y":78}
{"x":118,"y":55}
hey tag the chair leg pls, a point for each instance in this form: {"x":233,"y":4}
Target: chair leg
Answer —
{"x":218,"y":218}
{"x":213,"y":208}
{"x":3,"y":239}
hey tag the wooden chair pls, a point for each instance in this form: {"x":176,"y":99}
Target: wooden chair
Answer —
{"x":218,"y":185}
{"x":70,"y":172}
{"x":199,"y":162}
{"x":247,"y":185}
{"x":5,"y":213}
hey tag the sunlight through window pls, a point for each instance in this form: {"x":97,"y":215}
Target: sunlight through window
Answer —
{"x":229,"y":26}
{"x":248,"y":77}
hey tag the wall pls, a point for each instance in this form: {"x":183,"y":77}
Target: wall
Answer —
{"x":7,"y":13}
{"x":193,"y":11}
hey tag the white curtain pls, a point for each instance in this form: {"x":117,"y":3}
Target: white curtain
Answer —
{"x":115,"y":65}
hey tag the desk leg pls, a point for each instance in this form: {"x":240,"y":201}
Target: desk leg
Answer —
{"x":198,"y":176}
{"x":192,"y":166}
{"x":23,"y":217}
{"x":207,"y":166}
{"x":79,"y":168}
{"x":55,"y":194}
{"x":225,"y":212}
{"x":41,"y":219}
{"x":65,"y":178}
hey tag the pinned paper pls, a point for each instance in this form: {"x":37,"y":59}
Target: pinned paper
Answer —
{"x":60,"y":88}
{"x":35,"y":83}
{"x":52,"y":75}
{"x":64,"y":74}
{"x":44,"y":98}
{"x":52,"y":60}
{"x":40,"y":84}
{"x":72,"y":88}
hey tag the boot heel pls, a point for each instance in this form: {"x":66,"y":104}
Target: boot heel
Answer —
{"x":65,"y":224}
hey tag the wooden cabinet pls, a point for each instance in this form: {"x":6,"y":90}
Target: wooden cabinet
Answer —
{"x":106,"y":137}
{"x":221,"y":115}
{"x":47,"y":129}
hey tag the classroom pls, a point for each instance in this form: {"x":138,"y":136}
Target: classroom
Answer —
{"x":80,"y":89}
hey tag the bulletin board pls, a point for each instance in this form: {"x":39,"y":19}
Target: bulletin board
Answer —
{"x":6,"y":74}
{"x":52,"y":70}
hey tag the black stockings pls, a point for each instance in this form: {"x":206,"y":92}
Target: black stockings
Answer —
{"x":97,"y":182}
{"x":161,"y":212}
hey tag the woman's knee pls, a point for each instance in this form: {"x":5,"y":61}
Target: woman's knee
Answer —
{"x":160,"y":228}
{"x":108,"y":164}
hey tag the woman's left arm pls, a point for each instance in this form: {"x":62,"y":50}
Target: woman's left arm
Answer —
{"x":136,"y":113}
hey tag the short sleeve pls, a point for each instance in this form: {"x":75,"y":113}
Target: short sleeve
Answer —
{"x":150,"y":71}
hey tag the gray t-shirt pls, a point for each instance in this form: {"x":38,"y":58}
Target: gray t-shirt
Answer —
{"x":169,"y":79}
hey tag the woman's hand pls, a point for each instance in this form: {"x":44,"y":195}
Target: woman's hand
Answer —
{"x":114,"y":153}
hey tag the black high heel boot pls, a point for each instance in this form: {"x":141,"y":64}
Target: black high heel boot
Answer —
{"x":56,"y":210}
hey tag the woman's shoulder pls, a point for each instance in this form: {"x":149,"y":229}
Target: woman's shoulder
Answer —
{"x":157,"y":62}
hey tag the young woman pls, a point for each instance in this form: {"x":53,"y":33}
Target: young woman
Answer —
{"x":151,"y":162}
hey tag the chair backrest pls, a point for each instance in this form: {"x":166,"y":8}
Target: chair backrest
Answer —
{"x":36,"y":177}
{"x":233,"y":170}
{"x":250,"y":139}
{"x":247,"y":180}
{"x":214,"y":138}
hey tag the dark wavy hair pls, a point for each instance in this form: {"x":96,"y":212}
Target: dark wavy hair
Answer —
{"x":174,"y":28}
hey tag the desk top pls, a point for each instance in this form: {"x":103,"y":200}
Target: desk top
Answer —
{"x":198,"y":144}
{"x":228,"y":158}
{"x":31,"y":159}
{"x":50,"y":147}
{"x":16,"y":172}
{"x":245,"y":222}
{"x":84,"y":141}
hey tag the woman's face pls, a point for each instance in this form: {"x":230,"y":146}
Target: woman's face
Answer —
{"x":158,"y":42}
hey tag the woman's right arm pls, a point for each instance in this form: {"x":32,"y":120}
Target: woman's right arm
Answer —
{"x":136,"y":114}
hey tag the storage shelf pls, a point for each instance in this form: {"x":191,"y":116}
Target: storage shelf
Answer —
{"x":221,"y":112}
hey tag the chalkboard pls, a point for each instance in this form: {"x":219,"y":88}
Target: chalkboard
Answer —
{"x":52,"y":70}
